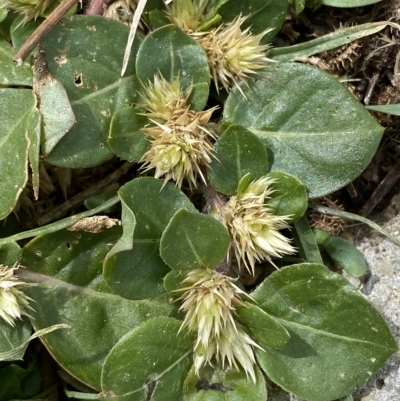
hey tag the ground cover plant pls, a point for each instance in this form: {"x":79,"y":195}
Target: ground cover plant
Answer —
{"x":200,"y":277}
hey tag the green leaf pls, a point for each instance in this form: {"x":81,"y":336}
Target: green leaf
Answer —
{"x":177,"y":54}
{"x":261,"y":15}
{"x":193,"y":240}
{"x":125,"y":243}
{"x":337,"y":339}
{"x":20,"y":32}
{"x":289,"y":196}
{"x":305,"y":241}
{"x":173,"y":281}
{"x":136,"y":254}
{"x":12,"y":337}
{"x":237,"y":153}
{"x":393,"y":109}
{"x":57,"y":113}
{"x":263,"y":328}
{"x":99,"y":200}
{"x":297,"y":5}
{"x":10,"y":74}
{"x":149,"y":363}
{"x":126,"y":138}
{"x":224,"y":385}
{"x":138,"y":273}
{"x":346,"y":255}
{"x":312,"y":125}
{"x":326,"y":42}
{"x":153,"y":205}
{"x":19,"y":133}
{"x":17,"y":383}
{"x":66,"y":267}
{"x":82,"y":55}
{"x":3,"y":14}
{"x":10,"y":254}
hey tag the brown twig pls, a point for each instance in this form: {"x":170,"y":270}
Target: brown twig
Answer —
{"x":82,"y":196}
{"x":42,"y":30}
{"x":382,"y":189}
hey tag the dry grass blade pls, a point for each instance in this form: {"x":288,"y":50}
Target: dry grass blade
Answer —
{"x":136,"y":18}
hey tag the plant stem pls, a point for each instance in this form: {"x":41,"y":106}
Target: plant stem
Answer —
{"x":59,"y":225}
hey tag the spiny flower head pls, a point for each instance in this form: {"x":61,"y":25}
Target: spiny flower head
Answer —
{"x":209,"y":302}
{"x":253,"y":227}
{"x":13,"y":302}
{"x":233,"y":54}
{"x":162,"y":98}
{"x":190,"y":15}
{"x":180,"y":140}
{"x":30,"y":9}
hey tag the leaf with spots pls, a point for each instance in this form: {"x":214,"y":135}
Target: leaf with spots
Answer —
{"x":66,"y":267}
{"x":337,"y":339}
{"x":85,"y":54}
{"x":19,"y":145}
{"x":10,"y":74}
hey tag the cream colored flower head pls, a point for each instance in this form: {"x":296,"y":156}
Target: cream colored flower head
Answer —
{"x":162,"y":99}
{"x":209,"y":301}
{"x":13,"y":302}
{"x":254,"y":229}
{"x":181,"y":144}
{"x":191,"y":15}
{"x":30,"y":9}
{"x":233,"y":54}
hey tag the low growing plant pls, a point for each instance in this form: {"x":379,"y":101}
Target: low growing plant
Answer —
{"x":231,"y":138}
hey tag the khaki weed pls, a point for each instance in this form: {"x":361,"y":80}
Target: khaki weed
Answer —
{"x":209,"y":302}
{"x":180,"y":141}
{"x":13,"y":302}
{"x":253,"y":227}
{"x":233,"y":54}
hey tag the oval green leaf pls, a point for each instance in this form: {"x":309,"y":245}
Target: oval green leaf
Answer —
{"x":138,"y":273}
{"x":10,"y":254}
{"x":66,"y":267}
{"x":261,"y":15}
{"x":82,"y":55}
{"x":193,"y":240}
{"x":337,"y":339}
{"x":153,"y":205}
{"x":149,"y":363}
{"x":346,"y":255}
{"x":263,"y":328}
{"x":315,"y":129}
{"x":237,"y":152}
{"x":215,"y":384}
{"x":289,"y":197}
{"x":174,"y":53}
{"x":126,"y":139}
